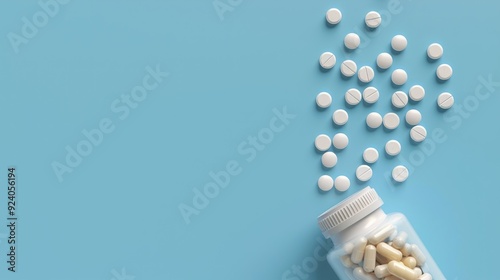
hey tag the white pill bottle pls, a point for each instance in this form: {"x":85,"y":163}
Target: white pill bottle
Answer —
{"x":371,"y":245}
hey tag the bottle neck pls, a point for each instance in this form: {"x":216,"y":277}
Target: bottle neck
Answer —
{"x":364,"y":225}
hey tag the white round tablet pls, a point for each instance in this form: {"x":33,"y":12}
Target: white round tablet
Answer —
{"x":342,"y":183}
{"x":333,"y":16}
{"x":418,"y":133}
{"x":352,"y":96}
{"x":413,"y":117}
{"x":435,"y":51}
{"x":364,"y":173}
{"x":340,"y":117}
{"x":348,"y":68}
{"x":391,"y":121}
{"x":366,"y":74}
{"x":370,"y":95}
{"x":373,"y":19}
{"x":417,"y":93}
{"x":399,"y":77}
{"x":323,"y":142}
{"x":444,"y":72}
{"x":399,"y":43}
{"x":392,"y":148}
{"x":325,"y":183}
{"x":400,"y":173}
{"x":370,"y":155}
{"x":399,"y":99}
{"x":340,"y":141}
{"x":384,"y":61}
{"x":374,"y":120}
{"x":323,"y":100}
{"x":329,"y":159}
{"x":445,"y":100}
{"x":327,"y":60}
{"x":352,"y":41}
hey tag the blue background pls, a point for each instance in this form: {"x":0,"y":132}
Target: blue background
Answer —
{"x":119,"y":208}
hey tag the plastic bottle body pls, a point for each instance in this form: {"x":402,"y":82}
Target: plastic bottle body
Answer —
{"x":370,"y":244}
{"x":395,"y":225}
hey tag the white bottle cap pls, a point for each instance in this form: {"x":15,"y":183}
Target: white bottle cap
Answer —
{"x":349,"y":211}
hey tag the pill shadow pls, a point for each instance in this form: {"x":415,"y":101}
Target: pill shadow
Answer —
{"x":344,"y":78}
{"x":441,"y":110}
{"x":369,"y":129}
{"x":430,"y":60}
{"x":319,"y":109}
{"x":381,"y":69}
{"x":386,"y":130}
{"x":387,"y":156}
{"x":348,"y":50}
{"x":323,"y":70}
{"x":394,"y":86}
{"x":393,"y":51}
{"x":318,"y":152}
{"x":438,"y":80}
{"x":414,"y":143}
{"x":368,"y":105}
{"x":331,"y":26}
{"x":349,"y":106}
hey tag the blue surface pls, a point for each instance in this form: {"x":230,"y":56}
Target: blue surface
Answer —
{"x":117,"y":214}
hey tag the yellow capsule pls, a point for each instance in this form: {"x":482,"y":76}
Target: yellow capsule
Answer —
{"x":381,"y":234}
{"x":359,"y":250}
{"x":398,"y":269}
{"x":400,"y":240}
{"x":391,"y":277}
{"x":410,"y":262}
{"x":370,"y":258}
{"x":360,"y":274}
{"x":406,"y":250}
{"x":389,"y":252}
{"x":418,"y":255}
{"x":381,"y":259}
{"x":381,"y":271}
{"x":418,"y":271}
{"x":346,"y":261}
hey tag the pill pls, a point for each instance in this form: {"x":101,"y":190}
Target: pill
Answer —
{"x":373,"y":19}
{"x":327,"y":60}
{"x":445,"y":100}
{"x":399,"y":77}
{"x":374,"y":120}
{"x":418,"y":254}
{"x":370,"y":95}
{"x":417,"y":93}
{"x":425,"y":276}
{"x":346,"y":261}
{"x":370,"y":155}
{"x":366,"y":74}
{"x":348,"y":68}
{"x":393,"y":235}
{"x":410,"y":262}
{"x":381,"y":259}
{"x":418,"y":271}
{"x":399,"y":43}
{"x":340,"y":141}
{"x":358,"y":251}
{"x":340,"y":117}
{"x":342,"y":184}
{"x":323,"y":142}
{"x":406,"y":249}
{"x":323,"y":100}
{"x":369,"y":259}
{"x":398,"y":269}
{"x":325,"y":183}
{"x":384,"y":61}
{"x":382,"y":234}
{"x":333,"y":16}
{"x":364,"y":173}
{"x":418,"y":133}
{"x":435,"y":51}
{"x":360,"y":274}
{"x":444,"y":72}
{"x":391,"y":277}
{"x":399,"y":99}
{"x":400,"y":240}
{"x":391,"y":121}
{"x":400,"y":173}
{"x":381,"y":271}
{"x":389,"y":252}
{"x":352,"y":96}
{"x":329,"y":159}
{"x":392,"y":147}
{"x":351,"y":41}
{"x":347,"y":248}
{"x":413,"y":117}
